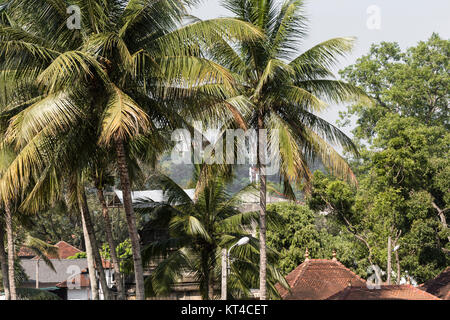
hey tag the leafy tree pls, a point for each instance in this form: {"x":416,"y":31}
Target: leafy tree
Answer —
{"x":403,"y":168}
{"x":124,"y":255}
{"x":78,"y":255}
{"x":413,"y":84}
{"x":56,"y":224}
{"x":373,"y":213}
{"x":301,"y":228}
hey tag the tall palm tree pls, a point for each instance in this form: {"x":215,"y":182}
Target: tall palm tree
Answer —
{"x":113,"y":77}
{"x":286,"y":88}
{"x":197,"y":232}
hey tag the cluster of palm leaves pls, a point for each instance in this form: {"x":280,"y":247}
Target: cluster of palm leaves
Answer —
{"x":197,"y":231}
{"x":79,"y":106}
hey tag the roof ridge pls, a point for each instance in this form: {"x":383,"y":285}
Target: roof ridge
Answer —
{"x":344,"y":293}
{"x":62,"y":241}
{"x":302,"y":266}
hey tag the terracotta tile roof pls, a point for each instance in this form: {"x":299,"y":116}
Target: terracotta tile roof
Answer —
{"x":25,"y":252}
{"x":318,"y":279}
{"x":65,"y":250}
{"x":439,"y":286}
{"x":393,"y":292}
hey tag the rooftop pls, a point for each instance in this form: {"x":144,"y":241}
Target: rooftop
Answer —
{"x":65,"y":250}
{"x":439,"y":286}
{"x":25,"y":252}
{"x":385,"y":292}
{"x":146,"y":198}
{"x":318,"y":279}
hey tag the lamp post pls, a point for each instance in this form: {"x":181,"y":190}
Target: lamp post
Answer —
{"x":226,"y":264}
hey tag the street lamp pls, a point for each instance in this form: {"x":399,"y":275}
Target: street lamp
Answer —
{"x":226,"y":264}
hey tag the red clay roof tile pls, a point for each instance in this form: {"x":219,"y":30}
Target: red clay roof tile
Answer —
{"x":65,"y":250}
{"x":439,"y":286}
{"x":317,"y":279}
{"x":26,"y":252}
{"x":385,"y":292}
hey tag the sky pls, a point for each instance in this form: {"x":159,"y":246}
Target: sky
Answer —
{"x":370,"y":21}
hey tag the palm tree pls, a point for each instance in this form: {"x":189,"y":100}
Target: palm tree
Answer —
{"x":112,"y":77}
{"x":197,"y":232}
{"x":286,"y":88}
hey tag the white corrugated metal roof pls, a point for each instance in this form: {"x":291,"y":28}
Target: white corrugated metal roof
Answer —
{"x":148,"y":196}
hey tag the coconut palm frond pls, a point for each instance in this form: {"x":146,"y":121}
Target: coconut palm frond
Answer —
{"x":42,"y":249}
{"x":122,"y":118}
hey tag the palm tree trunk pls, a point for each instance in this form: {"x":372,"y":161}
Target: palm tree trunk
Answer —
{"x":389,"y":256}
{"x":11,"y":270}
{"x":262,"y":235}
{"x":262,"y":214}
{"x":224,"y":275}
{"x":112,"y":246}
{"x":4,"y":263}
{"x":211,"y":284}
{"x":90,"y":259}
{"x":204,"y":288}
{"x":37,"y":273}
{"x":131,"y":220}
{"x":95,"y":249}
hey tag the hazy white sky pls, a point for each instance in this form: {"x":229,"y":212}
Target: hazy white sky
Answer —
{"x":403,"y":21}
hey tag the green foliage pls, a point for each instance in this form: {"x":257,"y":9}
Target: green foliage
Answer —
{"x":35,"y":294}
{"x":124,"y":254}
{"x":284,"y":89}
{"x":302,"y":228}
{"x":56,"y":224}
{"x":197,"y":231}
{"x":78,"y":255}
{"x":413,"y":83}
{"x":19,"y":275}
{"x":371,"y":214}
{"x":403,"y":170}
{"x":68,"y":96}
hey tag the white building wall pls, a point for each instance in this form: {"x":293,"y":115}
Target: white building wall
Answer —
{"x":78,"y":294}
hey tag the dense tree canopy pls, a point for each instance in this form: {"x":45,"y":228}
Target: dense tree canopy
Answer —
{"x":303,"y":229}
{"x":403,"y":170}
